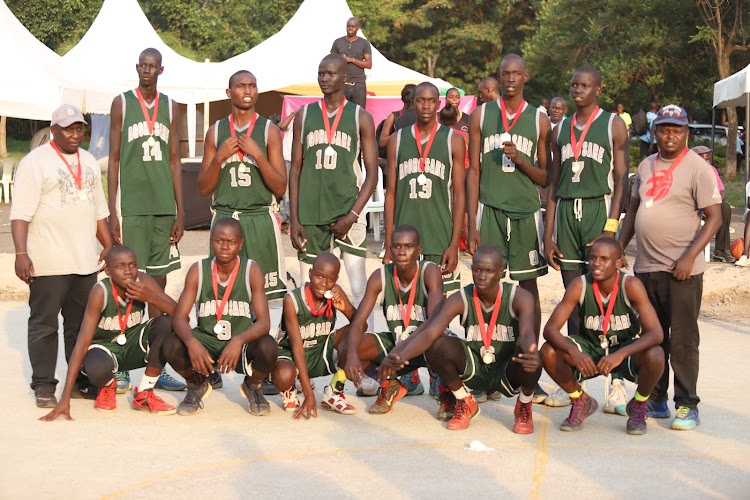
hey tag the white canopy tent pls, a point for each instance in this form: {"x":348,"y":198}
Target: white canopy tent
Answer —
{"x":734,"y":91}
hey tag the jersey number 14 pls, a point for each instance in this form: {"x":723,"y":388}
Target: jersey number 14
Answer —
{"x":151,"y":152}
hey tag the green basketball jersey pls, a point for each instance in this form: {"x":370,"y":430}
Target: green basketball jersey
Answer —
{"x":596,"y":178}
{"x":392,"y":291}
{"x":506,"y":336}
{"x":328,"y":185}
{"x":623,"y":324}
{"x":145,"y":173}
{"x":425,"y":206}
{"x":501,"y":184}
{"x":238,"y":311}
{"x":108,"y":327}
{"x":310,"y":326}
{"x":244,"y":190}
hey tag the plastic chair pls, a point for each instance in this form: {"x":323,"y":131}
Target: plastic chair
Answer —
{"x":7,"y":180}
{"x":376,"y":206}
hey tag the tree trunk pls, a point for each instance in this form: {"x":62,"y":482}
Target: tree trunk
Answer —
{"x":725,"y":70}
{"x":3,"y":145}
{"x":431,"y":64}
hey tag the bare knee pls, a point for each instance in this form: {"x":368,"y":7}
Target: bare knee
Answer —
{"x":283,"y":375}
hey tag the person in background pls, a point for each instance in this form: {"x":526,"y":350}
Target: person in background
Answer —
{"x":721,"y":251}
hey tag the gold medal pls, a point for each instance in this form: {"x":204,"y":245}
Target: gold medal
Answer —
{"x":404,"y":336}
{"x":504,"y":137}
{"x":488,"y":358}
{"x":151,"y":141}
{"x":604,"y":345}
{"x":649,"y":203}
{"x":577,"y":166}
{"x":422,"y":179}
{"x":328,"y":294}
{"x":83,"y":196}
{"x":329,"y":151}
{"x":121,"y":339}
{"x":242,"y":168}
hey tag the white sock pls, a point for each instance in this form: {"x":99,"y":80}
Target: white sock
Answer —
{"x":148,"y":382}
{"x":524,"y":398}
{"x":462,"y":393}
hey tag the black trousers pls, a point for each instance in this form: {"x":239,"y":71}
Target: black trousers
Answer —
{"x":356,"y":93}
{"x":722,"y":235}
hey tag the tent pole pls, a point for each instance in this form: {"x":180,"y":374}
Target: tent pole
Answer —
{"x":206,"y":103}
{"x":713,"y":132}
{"x":191,"y":119}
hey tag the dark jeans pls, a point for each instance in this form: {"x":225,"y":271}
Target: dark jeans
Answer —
{"x":681,"y":335}
{"x":356,"y":93}
{"x":48,"y":296}
{"x":722,"y":235}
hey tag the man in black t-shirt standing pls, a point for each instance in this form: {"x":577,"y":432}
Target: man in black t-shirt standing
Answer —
{"x":358,"y":54}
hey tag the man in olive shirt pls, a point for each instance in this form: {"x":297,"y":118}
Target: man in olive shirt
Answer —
{"x":358,"y":54}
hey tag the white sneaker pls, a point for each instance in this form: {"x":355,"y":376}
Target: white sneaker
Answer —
{"x":557,"y":397}
{"x":369,"y":387}
{"x":382,"y":252}
{"x":298,"y":385}
{"x":335,"y":401}
{"x":290,"y":402}
{"x":617,"y":396}
{"x":742,"y":261}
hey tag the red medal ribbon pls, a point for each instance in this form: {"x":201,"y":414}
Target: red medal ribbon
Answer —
{"x":227,"y":290}
{"x":487,"y":332}
{"x":610,"y":304}
{"x":247,"y":133}
{"x":504,"y":115}
{"x":76,"y":176}
{"x":663,"y":179}
{"x":576,"y":145}
{"x":331,"y":131}
{"x":326,"y":307}
{"x":406,"y":313}
{"x":149,"y":122}
{"x":123,"y":321}
{"x":427,"y":147}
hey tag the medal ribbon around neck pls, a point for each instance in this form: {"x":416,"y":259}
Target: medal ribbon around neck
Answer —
{"x":577,"y":146}
{"x":149,"y":122}
{"x":487,"y":332}
{"x":427,"y":147}
{"x":76,"y":176}
{"x":123,"y":321}
{"x":406,"y":313}
{"x":331,"y":130}
{"x":249,"y":131}
{"x":504,"y":115}
{"x":610,"y":304}
{"x":227,"y":290}
{"x":663,"y":178}
{"x":326,"y":307}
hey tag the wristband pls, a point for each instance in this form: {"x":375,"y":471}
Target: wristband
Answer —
{"x":611,"y":225}
{"x":21,"y":253}
{"x":355,"y":213}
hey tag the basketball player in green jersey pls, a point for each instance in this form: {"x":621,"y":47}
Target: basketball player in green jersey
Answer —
{"x":114,"y":336}
{"x":230,"y":304}
{"x":412,"y":291}
{"x":326,"y":191}
{"x":244,"y":168}
{"x":619,"y":333}
{"x":499,"y":353}
{"x":309,"y":340}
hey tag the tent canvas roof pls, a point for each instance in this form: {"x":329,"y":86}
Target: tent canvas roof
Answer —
{"x":733,"y":90}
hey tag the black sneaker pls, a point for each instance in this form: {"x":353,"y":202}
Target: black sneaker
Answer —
{"x":193,"y":402}
{"x":728,"y":256}
{"x":84,"y":390}
{"x":45,"y":397}
{"x":215,"y":380}
{"x":256,"y":403}
{"x":268,"y":388}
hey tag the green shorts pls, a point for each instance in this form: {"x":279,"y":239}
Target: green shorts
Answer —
{"x":262,"y":243}
{"x":320,"y":239}
{"x":490,"y":378}
{"x":133,"y":354}
{"x":626,"y":369}
{"x":148,"y":236}
{"x":577,"y":222}
{"x":215,"y":346}
{"x":386,"y":341}
{"x":452,"y":281}
{"x":519,"y":240}
{"x":320,"y":355}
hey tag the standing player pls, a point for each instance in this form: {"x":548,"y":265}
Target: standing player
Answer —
{"x":613,"y":307}
{"x":114,"y":337}
{"x":329,"y":136}
{"x":244,"y":168}
{"x":453,"y":97}
{"x":412,"y":292}
{"x":499,"y":353}
{"x":233,"y":322}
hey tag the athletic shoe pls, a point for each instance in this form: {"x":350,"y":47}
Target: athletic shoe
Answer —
{"x":84,"y":390}
{"x":215,"y":380}
{"x":368,"y":388}
{"x":617,"y":396}
{"x":256,"y":403}
{"x":686,"y":419}
{"x":730,"y":258}
{"x":123,"y":382}
{"x":636,"y":411}
{"x":657,"y":410}
{"x":169,"y":383}
{"x":45,"y":397}
{"x":742,"y":261}
{"x":557,"y":397}
{"x":335,"y":401}
{"x":447,"y":406}
{"x":193,"y":402}
{"x":381,"y":254}
{"x":298,"y":385}
{"x":390,"y":392}
{"x":539,"y":395}
{"x":524,"y":419}
{"x":479,"y":396}
{"x":268,"y":388}
{"x":435,"y":387}
{"x":466,"y":409}
{"x":582,"y":407}
{"x":495,"y":396}
{"x":106,"y":400}
{"x":289,"y":400}
{"x":412,"y":383}
{"x":722,"y":256}
{"x":148,"y":401}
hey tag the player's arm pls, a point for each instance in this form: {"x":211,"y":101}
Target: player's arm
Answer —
{"x":147,"y":290}
{"x":284,"y":124}
{"x":458,"y":177}
{"x":273,"y":167}
{"x":296,"y":232}
{"x":627,"y":228}
{"x":523,"y":308}
{"x":85,"y":335}
{"x":291,"y":323}
{"x":213,"y":157}
{"x":385,"y":134}
{"x":341,"y":302}
{"x":433,"y":282}
{"x":472,"y":177}
{"x":113,"y":167}
{"x":202,"y":362}
{"x":357,"y":326}
{"x":176,"y":165}
{"x":537,"y":173}
{"x":390,"y":196}
{"x":552,"y":253}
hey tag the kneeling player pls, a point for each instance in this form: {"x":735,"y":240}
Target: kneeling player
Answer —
{"x":233,"y":323}
{"x":614,"y":307}
{"x":412,"y":291}
{"x":499,"y":353}
{"x":113,"y":337}
{"x":309,"y":340}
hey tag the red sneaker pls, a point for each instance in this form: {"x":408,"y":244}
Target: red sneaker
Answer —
{"x":524,"y":421}
{"x":390,"y":392}
{"x":106,"y":400}
{"x":148,"y":401}
{"x":466,"y":409}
